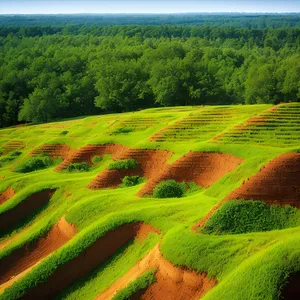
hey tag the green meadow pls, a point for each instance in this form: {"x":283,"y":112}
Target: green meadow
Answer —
{"x":250,"y":248}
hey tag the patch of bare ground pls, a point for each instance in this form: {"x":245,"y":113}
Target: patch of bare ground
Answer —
{"x":202,"y":168}
{"x":291,"y":289}
{"x":172,"y":283}
{"x":89,"y":259}
{"x":21,"y":261}
{"x":86,"y":153}
{"x":25,"y":208}
{"x":149,"y":163}
{"x":6,"y":195}
{"x":55,"y":150}
{"x":276,"y":183}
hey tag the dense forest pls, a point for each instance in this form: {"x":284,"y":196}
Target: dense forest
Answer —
{"x":217,"y":19}
{"x":50,"y":72}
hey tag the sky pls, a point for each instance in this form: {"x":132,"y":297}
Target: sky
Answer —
{"x":145,"y":6}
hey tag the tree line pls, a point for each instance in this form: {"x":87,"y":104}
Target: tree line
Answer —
{"x":249,"y":20}
{"x":89,"y":70}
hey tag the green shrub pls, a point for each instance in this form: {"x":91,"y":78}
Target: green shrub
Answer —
{"x":169,"y":189}
{"x":191,"y":188}
{"x":34,"y":163}
{"x":123,"y":164}
{"x":97,"y":159}
{"x":132,"y":180}
{"x":243,"y":216}
{"x":10,"y":157}
{"x":125,"y":129}
{"x":140,"y":283}
{"x":65,"y":132}
{"x":78,"y":167}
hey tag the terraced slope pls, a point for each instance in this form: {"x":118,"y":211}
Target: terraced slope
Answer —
{"x":78,"y":222}
{"x":277,"y":127}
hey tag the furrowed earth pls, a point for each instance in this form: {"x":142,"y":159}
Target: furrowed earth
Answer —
{"x":80,"y":215}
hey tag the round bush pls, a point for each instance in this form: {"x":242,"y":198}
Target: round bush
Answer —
{"x":78,"y":167}
{"x":132,"y":180}
{"x":123,"y":164}
{"x":33,"y":164}
{"x":169,"y":189}
{"x":97,"y":159}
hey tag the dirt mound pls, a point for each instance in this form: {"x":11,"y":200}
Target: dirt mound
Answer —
{"x":55,"y":150}
{"x":202,"y":168}
{"x":88,"y":260}
{"x":20,"y":261}
{"x":291,"y":290}
{"x":85,"y":154}
{"x":24,"y":209}
{"x":276,"y":183}
{"x":6,"y":195}
{"x":171,"y":282}
{"x":149,"y":163}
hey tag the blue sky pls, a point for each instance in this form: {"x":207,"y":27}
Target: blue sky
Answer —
{"x":145,"y":6}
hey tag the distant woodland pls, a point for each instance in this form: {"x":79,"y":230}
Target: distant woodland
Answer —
{"x":49,"y":72}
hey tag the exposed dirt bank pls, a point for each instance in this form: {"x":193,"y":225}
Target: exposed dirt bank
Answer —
{"x":6,"y":195}
{"x":171,"y":282}
{"x":24,"y":209}
{"x":88,"y":260}
{"x":202,"y":168}
{"x":20,"y":261}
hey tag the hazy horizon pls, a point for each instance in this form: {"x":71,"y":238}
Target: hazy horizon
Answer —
{"x":146,"y":7}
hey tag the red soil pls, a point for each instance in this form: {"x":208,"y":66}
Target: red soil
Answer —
{"x":171,"y":282}
{"x":20,"y":261}
{"x":291,"y":290}
{"x":202,"y":168}
{"x":276,"y":183}
{"x":88,"y":260}
{"x":55,"y":151}
{"x":6,"y":195}
{"x":149,"y":162}
{"x":26,"y":207}
{"x":85,"y":154}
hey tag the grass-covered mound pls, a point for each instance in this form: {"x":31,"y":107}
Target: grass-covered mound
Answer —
{"x":243,"y":216}
{"x":35,"y":163}
{"x":123,"y":164}
{"x":135,"y":286}
{"x":173,"y":189}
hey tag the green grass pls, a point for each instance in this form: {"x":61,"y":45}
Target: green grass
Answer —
{"x":123,"y":164}
{"x":35,"y":163}
{"x":78,"y":167}
{"x":129,"y":181}
{"x":140,"y":283}
{"x":244,"y":216}
{"x":249,"y":247}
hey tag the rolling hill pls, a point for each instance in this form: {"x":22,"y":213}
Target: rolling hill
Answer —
{"x":164,"y":203}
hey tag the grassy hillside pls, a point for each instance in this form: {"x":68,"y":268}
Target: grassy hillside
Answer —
{"x":83,"y":212}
